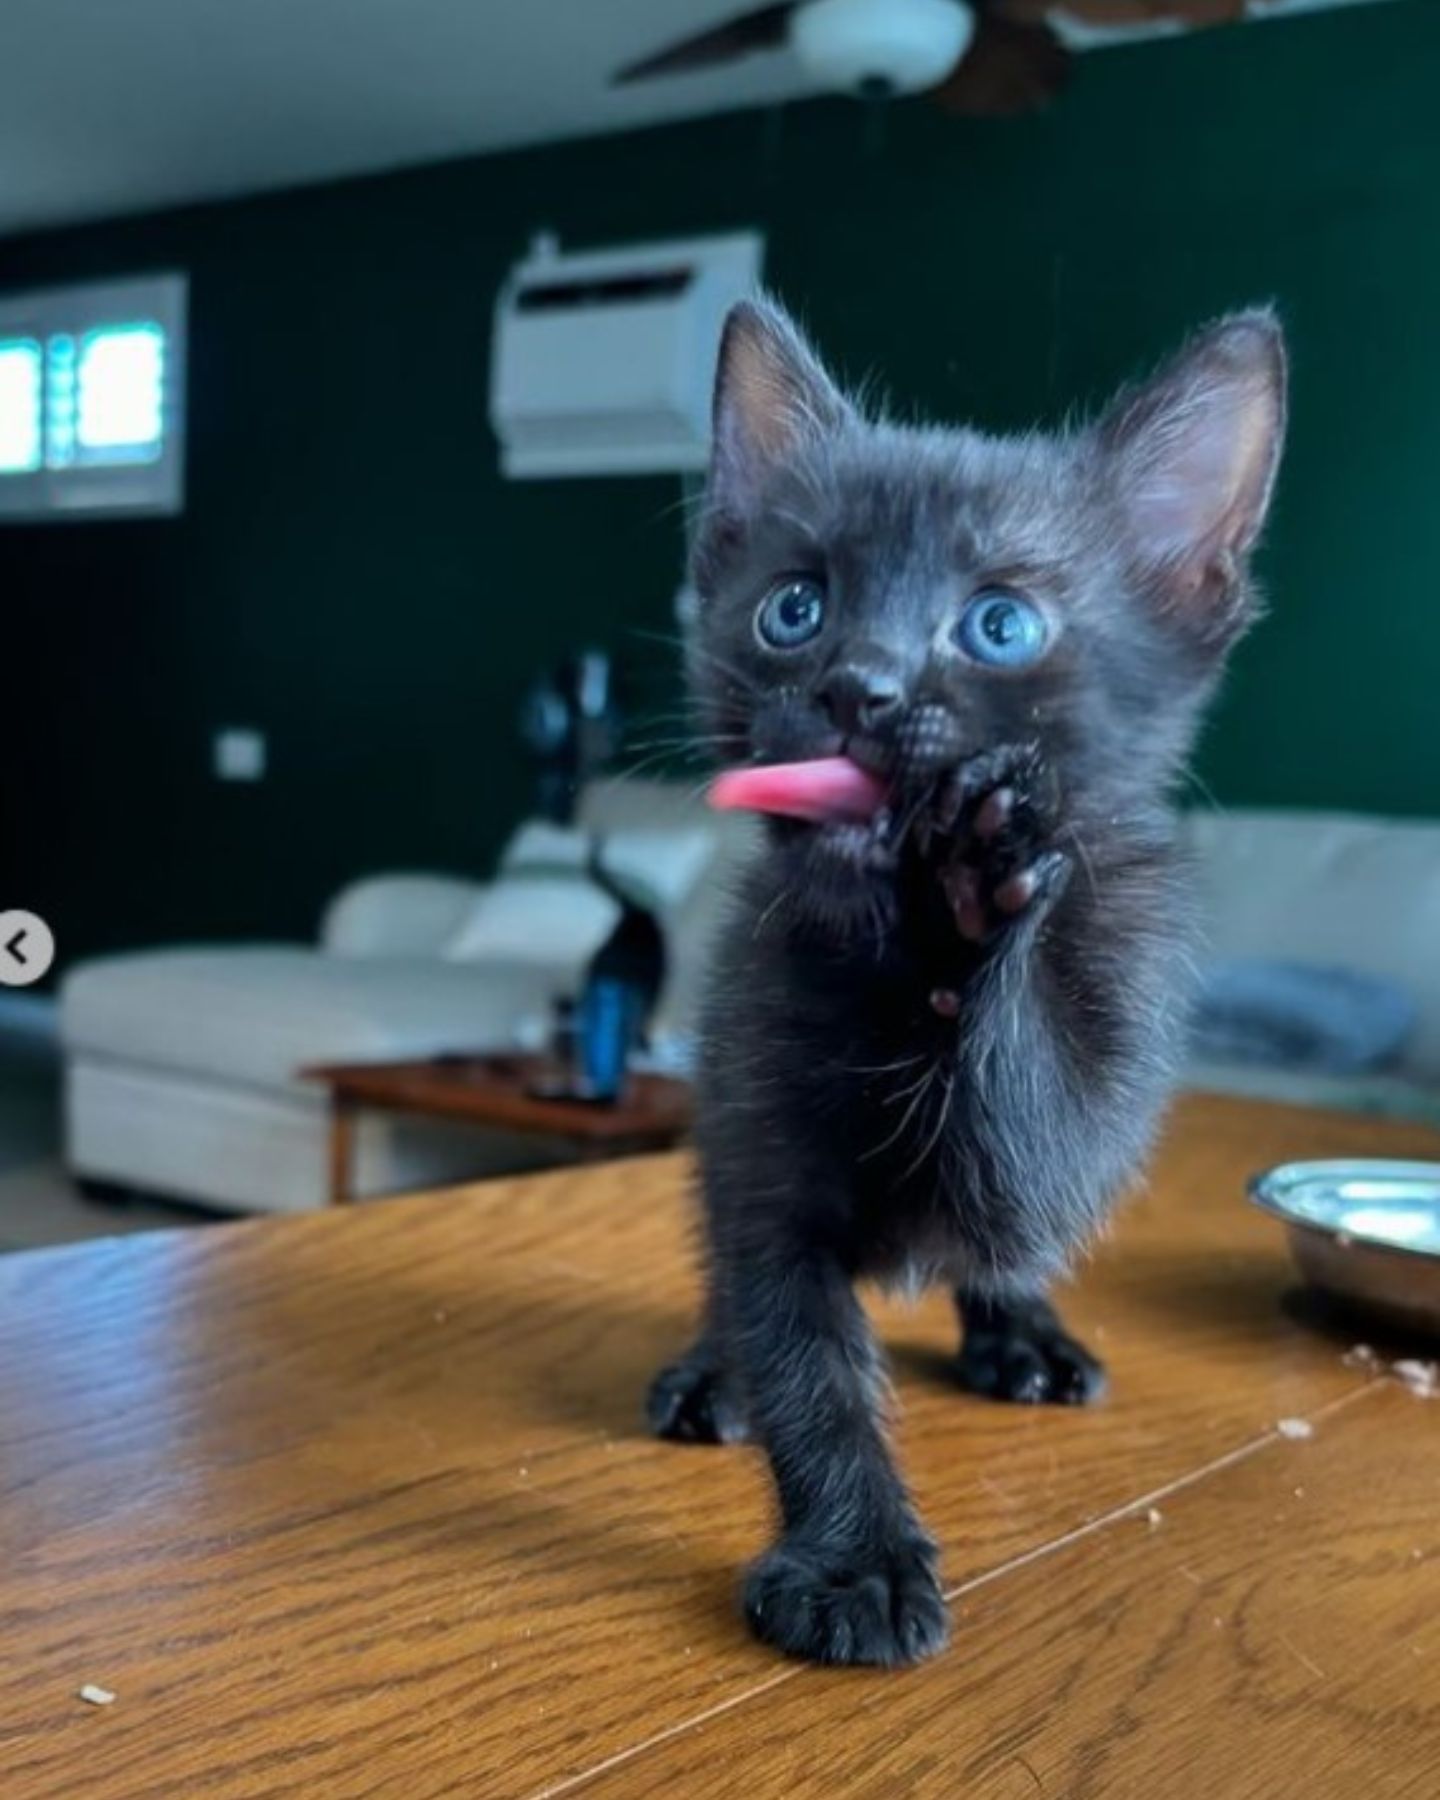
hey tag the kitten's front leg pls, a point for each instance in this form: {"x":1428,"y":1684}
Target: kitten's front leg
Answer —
{"x":852,"y":1579}
{"x":1001,"y":873}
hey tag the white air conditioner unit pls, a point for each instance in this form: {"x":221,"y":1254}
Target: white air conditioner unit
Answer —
{"x":603,"y":362}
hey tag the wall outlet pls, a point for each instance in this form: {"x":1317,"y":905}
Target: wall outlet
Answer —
{"x":239,"y":754}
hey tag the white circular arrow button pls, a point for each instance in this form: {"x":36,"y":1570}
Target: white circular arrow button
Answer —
{"x":27,"y":948}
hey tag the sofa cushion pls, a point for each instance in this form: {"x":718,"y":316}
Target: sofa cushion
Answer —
{"x":546,"y":921}
{"x":396,"y":915}
{"x":257,"y":1014}
{"x":1289,"y":1015}
{"x":658,"y":865}
{"x":662,"y":847}
{"x":1352,"y":892}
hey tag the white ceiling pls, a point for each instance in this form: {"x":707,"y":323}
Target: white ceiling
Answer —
{"x":112,"y":106}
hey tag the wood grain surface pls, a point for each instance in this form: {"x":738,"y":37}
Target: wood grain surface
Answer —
{"x":1271,"y":1629}
{"x":358,"y":1504}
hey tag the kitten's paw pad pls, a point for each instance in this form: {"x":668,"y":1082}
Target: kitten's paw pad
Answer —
{"x":882,"y":1608}
{"x":691,"y":1403}
{"x":1030,"y":1365}
{"x":994,"y":817}
{"x":987,"y":895}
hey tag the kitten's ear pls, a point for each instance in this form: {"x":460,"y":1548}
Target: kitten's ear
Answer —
{"x":771,"y":396}
{"x":1193,"y":455}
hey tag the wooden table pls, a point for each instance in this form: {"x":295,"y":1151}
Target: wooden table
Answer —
{"x":357,"y":1504}
{"x":496,"y":1091}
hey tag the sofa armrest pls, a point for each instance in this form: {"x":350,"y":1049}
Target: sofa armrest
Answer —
{"x":397,"y":915}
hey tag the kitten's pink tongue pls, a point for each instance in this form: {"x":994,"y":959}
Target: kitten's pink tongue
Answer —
{"x":832,"y":787}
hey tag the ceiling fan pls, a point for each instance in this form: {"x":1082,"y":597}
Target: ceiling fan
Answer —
{"x":979,"y":57}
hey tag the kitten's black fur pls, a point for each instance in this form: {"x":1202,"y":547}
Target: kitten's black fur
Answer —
{"x":937,"y":1047}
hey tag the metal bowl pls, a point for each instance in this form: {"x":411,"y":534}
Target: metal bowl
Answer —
{"x":1366,"y":1231}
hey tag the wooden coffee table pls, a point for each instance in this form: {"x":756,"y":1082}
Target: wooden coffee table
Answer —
{"x":360,"y":1502}
{"x":496,"y":1091}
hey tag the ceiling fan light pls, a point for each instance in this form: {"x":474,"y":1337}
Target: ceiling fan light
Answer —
{"x":888,"y":46}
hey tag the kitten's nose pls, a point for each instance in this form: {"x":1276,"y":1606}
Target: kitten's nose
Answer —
{"x":860,"y":696}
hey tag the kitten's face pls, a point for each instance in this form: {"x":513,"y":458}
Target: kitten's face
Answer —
{"x":911,"y":598}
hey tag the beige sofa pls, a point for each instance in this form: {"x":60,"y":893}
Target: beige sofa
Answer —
{"x":180,"y":1064}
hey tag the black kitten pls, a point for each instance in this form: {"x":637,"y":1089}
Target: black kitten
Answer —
{"x":937,"y":1045}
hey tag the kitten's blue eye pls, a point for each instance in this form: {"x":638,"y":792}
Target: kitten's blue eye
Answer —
{"x":1001,"y":630}
{"x":792,"y":613}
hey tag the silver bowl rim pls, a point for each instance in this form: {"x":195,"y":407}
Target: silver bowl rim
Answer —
{"x":1260,"y":1188}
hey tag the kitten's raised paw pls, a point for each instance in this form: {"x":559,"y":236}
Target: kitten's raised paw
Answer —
{"x":691,"y":1402}
{"x":1031,"y":1361}
{"x":960,"y":794}
{"x":994,"y":820}
{"x":830,"y":1603}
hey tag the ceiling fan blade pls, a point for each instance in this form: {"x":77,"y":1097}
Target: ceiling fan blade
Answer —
{"x":1009,"y":68}
{"x":1125,"y":12}
{"x":767,"y":28}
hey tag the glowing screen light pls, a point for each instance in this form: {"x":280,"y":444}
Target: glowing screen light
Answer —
{"x":120,"y":391}
{"x":21,"y":368}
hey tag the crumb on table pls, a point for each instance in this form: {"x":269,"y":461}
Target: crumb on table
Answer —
{"x":1422,"y":1378}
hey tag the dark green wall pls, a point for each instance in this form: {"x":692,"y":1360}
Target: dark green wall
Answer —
{"x":352,"y":576}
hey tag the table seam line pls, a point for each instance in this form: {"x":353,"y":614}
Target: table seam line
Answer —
{"x":1193,"y":1477}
